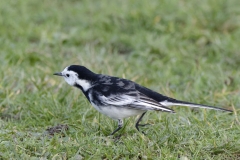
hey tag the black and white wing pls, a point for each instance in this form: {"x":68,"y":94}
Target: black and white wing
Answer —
{"x":132,"y":99}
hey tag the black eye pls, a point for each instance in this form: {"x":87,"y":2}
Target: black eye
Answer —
{"x":67,"y":75}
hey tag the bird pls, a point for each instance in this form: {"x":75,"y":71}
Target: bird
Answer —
{"x":120,"y":98}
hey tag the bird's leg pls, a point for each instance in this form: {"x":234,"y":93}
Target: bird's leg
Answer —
{"x":120,"y":125}
{"x":139,"y":119}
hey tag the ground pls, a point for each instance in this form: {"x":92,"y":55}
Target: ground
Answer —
{"x":186,"y":49}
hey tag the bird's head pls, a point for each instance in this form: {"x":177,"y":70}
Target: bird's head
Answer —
{"x":78,"y":76}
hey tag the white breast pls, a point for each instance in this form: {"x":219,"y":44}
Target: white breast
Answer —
{"x":117,"y":112}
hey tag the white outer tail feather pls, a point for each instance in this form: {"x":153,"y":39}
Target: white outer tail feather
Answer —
{"x":166,"y":103}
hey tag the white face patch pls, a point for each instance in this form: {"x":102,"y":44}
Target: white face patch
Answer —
{"x":71,"y":78}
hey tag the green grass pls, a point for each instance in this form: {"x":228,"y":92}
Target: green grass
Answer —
{"x":186,"y":49}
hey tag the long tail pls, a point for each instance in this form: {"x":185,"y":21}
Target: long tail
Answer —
{"x":188,"y":104}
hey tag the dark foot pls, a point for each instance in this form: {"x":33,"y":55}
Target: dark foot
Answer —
{"x":120,"y":125}
{"x":141,"y":125}
{"x":115,"y":131}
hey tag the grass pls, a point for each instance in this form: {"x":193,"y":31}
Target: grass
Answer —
{"x":185,"y":49}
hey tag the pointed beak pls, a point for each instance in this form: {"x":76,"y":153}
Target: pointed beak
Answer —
{"x":58,"y":74}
